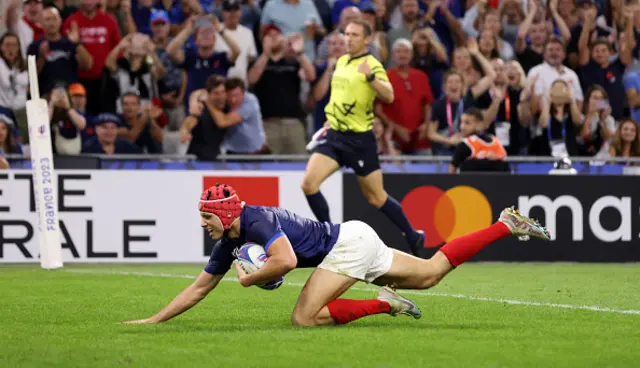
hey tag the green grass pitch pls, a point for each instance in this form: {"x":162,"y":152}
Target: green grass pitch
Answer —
{"x":481,"y":315}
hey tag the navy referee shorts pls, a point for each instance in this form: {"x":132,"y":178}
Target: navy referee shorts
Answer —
{"x":358,"y":151}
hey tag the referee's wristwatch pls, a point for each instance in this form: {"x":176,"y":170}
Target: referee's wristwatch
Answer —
{"x":371,"y":77}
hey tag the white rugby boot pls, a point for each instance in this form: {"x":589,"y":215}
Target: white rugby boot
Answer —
{"x":398,"y":304}
{"x":522,"y":226}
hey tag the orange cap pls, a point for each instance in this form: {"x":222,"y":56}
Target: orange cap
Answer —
{"x":77,"y":89}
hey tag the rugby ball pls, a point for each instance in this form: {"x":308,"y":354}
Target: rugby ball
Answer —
{"x":251,"y":257}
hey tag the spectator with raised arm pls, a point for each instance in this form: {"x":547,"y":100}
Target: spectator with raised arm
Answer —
{"x":321,"y":88}
{"x":551,"y":70}
{"x":119,"y":9}
{"x":481,"y":76}
{"x":106,"y":140}
{"x":409,"y":113}
{"x":530,"y":55}
{"x":241,"y":35}
{"x":180,"y":13}
{"x":294,"y":16}
{"x":199,"y":130}
{"x":599,"y":126}
{"x":430,"y":56}
{"x":203,"y":61}
{"x":369,"y":14}
{"x":558,"y":123}
{"x":249,"y":11}
{"x":59,"y":58}
{"x":281,"y":67}
{"x":626,"y":140}
{"x":490,"y":21}
{"x":597,"y":66}
{"x":99,"y":34}
{"x":135,"y":66}
{"x":78,"y":98}
{"x":173,"y":85}
{"x":438,"y":14}
{"x":500,"y":106}
{"x":29,"y":26}
{"x":586,"y":8}
{"x":245,"y":133}
{"x":66,"y":123}
{"x":139,"y":124}
{"x":139,"y":16}
{"x":410,"y":16}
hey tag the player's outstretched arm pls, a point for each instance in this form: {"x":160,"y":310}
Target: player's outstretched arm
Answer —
{"x":185,"y":300}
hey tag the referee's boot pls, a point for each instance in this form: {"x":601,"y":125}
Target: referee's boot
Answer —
{"x":416,"y":243}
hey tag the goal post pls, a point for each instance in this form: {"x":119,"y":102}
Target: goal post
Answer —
{"x":44,"y":176}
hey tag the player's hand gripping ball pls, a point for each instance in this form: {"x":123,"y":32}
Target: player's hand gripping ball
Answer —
{"x":251,"y":258}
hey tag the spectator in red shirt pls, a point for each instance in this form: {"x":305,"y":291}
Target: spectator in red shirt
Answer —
{"x":411,"y":108}
{"x":99,"y":34}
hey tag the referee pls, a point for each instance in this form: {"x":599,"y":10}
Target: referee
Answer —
{"x":357,"y":81}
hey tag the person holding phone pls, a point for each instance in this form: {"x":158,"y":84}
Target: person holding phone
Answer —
{"x":599,"y":67}
{"x":558,"y":124}
{"x":599,"y":126}
{"x":202,"y":61}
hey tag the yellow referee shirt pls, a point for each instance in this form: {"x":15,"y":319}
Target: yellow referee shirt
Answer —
{"x":350,"y":106}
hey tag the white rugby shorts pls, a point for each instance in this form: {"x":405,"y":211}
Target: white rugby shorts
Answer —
{"x":358,"y":253}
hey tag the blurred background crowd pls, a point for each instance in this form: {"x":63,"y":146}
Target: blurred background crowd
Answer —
{"x":555,"y":77}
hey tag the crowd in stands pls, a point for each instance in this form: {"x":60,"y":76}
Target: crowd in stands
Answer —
{"x":554,"y":77}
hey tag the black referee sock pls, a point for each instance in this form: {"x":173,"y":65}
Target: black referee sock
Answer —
{"x":319,"y":206}
{"x":393,"y":210}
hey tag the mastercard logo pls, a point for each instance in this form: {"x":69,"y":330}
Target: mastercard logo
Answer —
{"x":445,"y":215}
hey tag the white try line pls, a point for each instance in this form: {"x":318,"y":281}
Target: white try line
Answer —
{"x":592,"y":308}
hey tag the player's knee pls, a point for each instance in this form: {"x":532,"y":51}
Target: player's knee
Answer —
{"x":3,"y":163}
{"x":298,"y":319}
{"x":376,"y":199}
{"x":308,"y":186}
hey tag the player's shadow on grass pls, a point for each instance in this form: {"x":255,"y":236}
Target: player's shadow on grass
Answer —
{"x":428,"y":325}
{"x":197,"y":327}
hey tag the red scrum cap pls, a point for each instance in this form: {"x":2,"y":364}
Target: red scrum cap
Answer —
{"x":222,"y":201}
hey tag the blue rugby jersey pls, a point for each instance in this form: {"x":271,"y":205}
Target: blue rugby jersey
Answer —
{"x":311,"y":240}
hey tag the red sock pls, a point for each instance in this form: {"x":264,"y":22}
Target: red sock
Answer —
{"x":346,"y":310}
{"x":459,"y":250}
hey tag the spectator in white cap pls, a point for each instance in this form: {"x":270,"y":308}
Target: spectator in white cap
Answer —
{"x":241,"y":35}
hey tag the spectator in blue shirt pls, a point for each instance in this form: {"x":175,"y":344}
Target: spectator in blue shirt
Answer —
{"x":203,"y":61}
{"x":244,"y":120}
{"x":294,"y":16}
{"x":632,"y":90}
{"x":321,"y":89}
{"x":339,"y":5}
{"x":58,"y":57}
{"x":106,"y":140}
